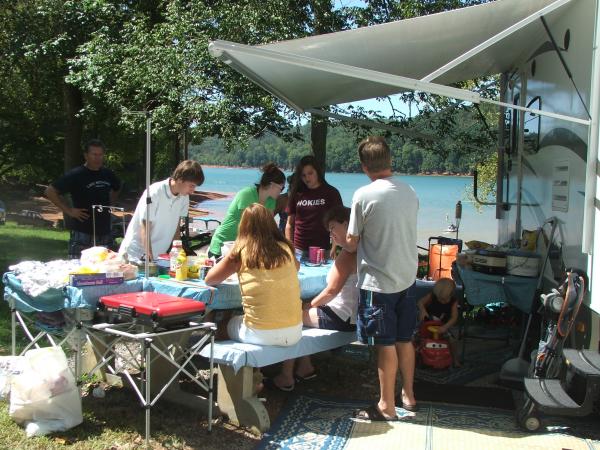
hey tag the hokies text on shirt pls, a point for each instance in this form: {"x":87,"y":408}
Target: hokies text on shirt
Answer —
{"x":317,"y":202}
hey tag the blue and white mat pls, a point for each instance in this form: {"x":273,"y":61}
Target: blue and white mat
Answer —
{"x":310,"y":423}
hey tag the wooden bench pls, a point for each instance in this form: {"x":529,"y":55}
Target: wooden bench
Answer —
{"x":237,"y":378}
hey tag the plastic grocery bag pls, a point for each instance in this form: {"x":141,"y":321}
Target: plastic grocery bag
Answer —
{"x":9,"y":367}
{"x":44,"y":396}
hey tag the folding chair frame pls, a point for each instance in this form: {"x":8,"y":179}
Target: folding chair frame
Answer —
{"x":155,"y":347}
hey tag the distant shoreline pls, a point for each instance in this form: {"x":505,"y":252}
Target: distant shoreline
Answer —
{"x":422,"y":174}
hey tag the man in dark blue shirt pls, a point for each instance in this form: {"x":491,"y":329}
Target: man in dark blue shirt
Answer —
{"x":89,"y":184}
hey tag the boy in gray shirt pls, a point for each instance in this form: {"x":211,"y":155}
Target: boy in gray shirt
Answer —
{"x":383,"y":229}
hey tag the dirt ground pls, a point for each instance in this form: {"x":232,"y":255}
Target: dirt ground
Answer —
{"x":18,"y":198}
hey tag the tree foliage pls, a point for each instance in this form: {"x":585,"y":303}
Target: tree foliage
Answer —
{"x":445,"y":155}
{"x":75,"y":69}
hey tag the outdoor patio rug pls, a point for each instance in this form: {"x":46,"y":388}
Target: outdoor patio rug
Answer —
{"x":476,"y":364}
{"x":310,"y":423}
{"x":488,"y":396}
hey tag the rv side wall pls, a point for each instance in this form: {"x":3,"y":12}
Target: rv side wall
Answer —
{"x":554,"y":160}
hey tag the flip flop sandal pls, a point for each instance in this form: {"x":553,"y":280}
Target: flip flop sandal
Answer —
{"x":407,"y":406}
{"x":373,"y":414}
{"x":411,"y":408}
{"x":310,"y":376}
{"x":269,"y":383}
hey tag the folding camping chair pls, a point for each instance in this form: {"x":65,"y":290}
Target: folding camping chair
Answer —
{"x":156,"y":361}
{"x":195,"y":237}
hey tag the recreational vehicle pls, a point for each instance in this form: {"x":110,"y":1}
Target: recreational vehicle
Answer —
{"x":546,"y":54}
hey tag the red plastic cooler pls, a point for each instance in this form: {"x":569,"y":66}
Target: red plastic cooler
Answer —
{"x":150,"y":308}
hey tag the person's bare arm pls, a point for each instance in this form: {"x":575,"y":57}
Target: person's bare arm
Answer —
{"x":453,"y":319}
{"x":289,"y":228}
{"x":344,"y":265}
{"x":114,"y":195}
{"x":224,"y":268}
{"x":54,"y":196}
{"x":351,"y":243}
{"x":422,"y":305}
{"x":281,"y":204}
{"x":144,"y":236}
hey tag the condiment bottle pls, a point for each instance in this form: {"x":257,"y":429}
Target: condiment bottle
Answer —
{"x":173,"y":255}
{"x":181,"y":267}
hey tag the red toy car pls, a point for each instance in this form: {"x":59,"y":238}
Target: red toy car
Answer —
{"x":433,"y":350}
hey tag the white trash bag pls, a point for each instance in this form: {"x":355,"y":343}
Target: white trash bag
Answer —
{"x":44,"y":396}
{"x":9,"y":367}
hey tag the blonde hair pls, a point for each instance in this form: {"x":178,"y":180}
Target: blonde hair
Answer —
{"x":259,"y":241}
{"x":375,"y":154}
{"x":444,"y":288}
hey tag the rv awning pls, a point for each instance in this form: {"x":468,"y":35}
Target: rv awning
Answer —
{"x":426,"y":53}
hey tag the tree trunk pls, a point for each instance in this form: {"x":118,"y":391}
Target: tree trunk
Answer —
{"x":318,"y":139}
{"x":186,"y":144}
{"x":176,"y":153}
{"x":74,"y":126}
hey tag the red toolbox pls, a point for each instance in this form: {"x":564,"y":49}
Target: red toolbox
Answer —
{"x":150,"y":308}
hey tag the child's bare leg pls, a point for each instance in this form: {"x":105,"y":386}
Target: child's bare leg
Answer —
{"x":310,"y":318}
{"x":286,"y":376}
{"x":304,"y":367}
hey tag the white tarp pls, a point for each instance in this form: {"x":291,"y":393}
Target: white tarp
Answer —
{"x":352,"y":65}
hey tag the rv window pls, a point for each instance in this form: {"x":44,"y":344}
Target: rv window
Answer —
{"x":531,"y":129}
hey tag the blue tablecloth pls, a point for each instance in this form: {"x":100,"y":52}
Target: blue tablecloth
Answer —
{"x":482,"y":288}
{"x":67,"y":297}
{"x":225,"y":296}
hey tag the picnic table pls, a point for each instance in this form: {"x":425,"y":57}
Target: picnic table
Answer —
{"x":85,"y":299}
{"x":227,"y":295}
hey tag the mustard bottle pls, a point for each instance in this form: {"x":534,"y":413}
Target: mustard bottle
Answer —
{"x":181,"y":267}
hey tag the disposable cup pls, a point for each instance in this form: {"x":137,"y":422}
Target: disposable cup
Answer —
{"x":313,"y":254}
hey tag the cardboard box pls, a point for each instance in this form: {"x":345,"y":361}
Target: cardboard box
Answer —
{"x":95,"y":279}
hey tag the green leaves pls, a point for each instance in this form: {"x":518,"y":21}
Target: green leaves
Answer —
{"x":124,"y":55}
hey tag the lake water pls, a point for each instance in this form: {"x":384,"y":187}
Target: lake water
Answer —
{"x":437,"y":199}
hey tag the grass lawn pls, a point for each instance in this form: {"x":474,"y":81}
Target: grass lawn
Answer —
{"x":115,"y":422}
{"x":22,"y":243}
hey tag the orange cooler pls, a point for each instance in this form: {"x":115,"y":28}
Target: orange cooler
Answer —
{"x":441,"y":257}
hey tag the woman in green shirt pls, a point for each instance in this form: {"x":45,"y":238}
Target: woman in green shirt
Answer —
{"x":265,"y":192}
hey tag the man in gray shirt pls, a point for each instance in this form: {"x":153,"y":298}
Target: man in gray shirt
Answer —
{"x":383,"y":229}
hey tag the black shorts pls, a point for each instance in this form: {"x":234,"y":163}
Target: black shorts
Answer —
{"x":329,"y":320}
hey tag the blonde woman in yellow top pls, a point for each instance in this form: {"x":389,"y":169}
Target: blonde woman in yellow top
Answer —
{"x":267,"y":270}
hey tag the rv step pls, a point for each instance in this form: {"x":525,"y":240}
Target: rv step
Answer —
{"x":585,"y":362}
{"x":549,"y":394}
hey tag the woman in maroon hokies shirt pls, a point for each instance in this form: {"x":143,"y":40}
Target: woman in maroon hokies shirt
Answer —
{"x":310,"y":197}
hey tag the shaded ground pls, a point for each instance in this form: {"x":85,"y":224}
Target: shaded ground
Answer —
{"x":19,"y":198}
